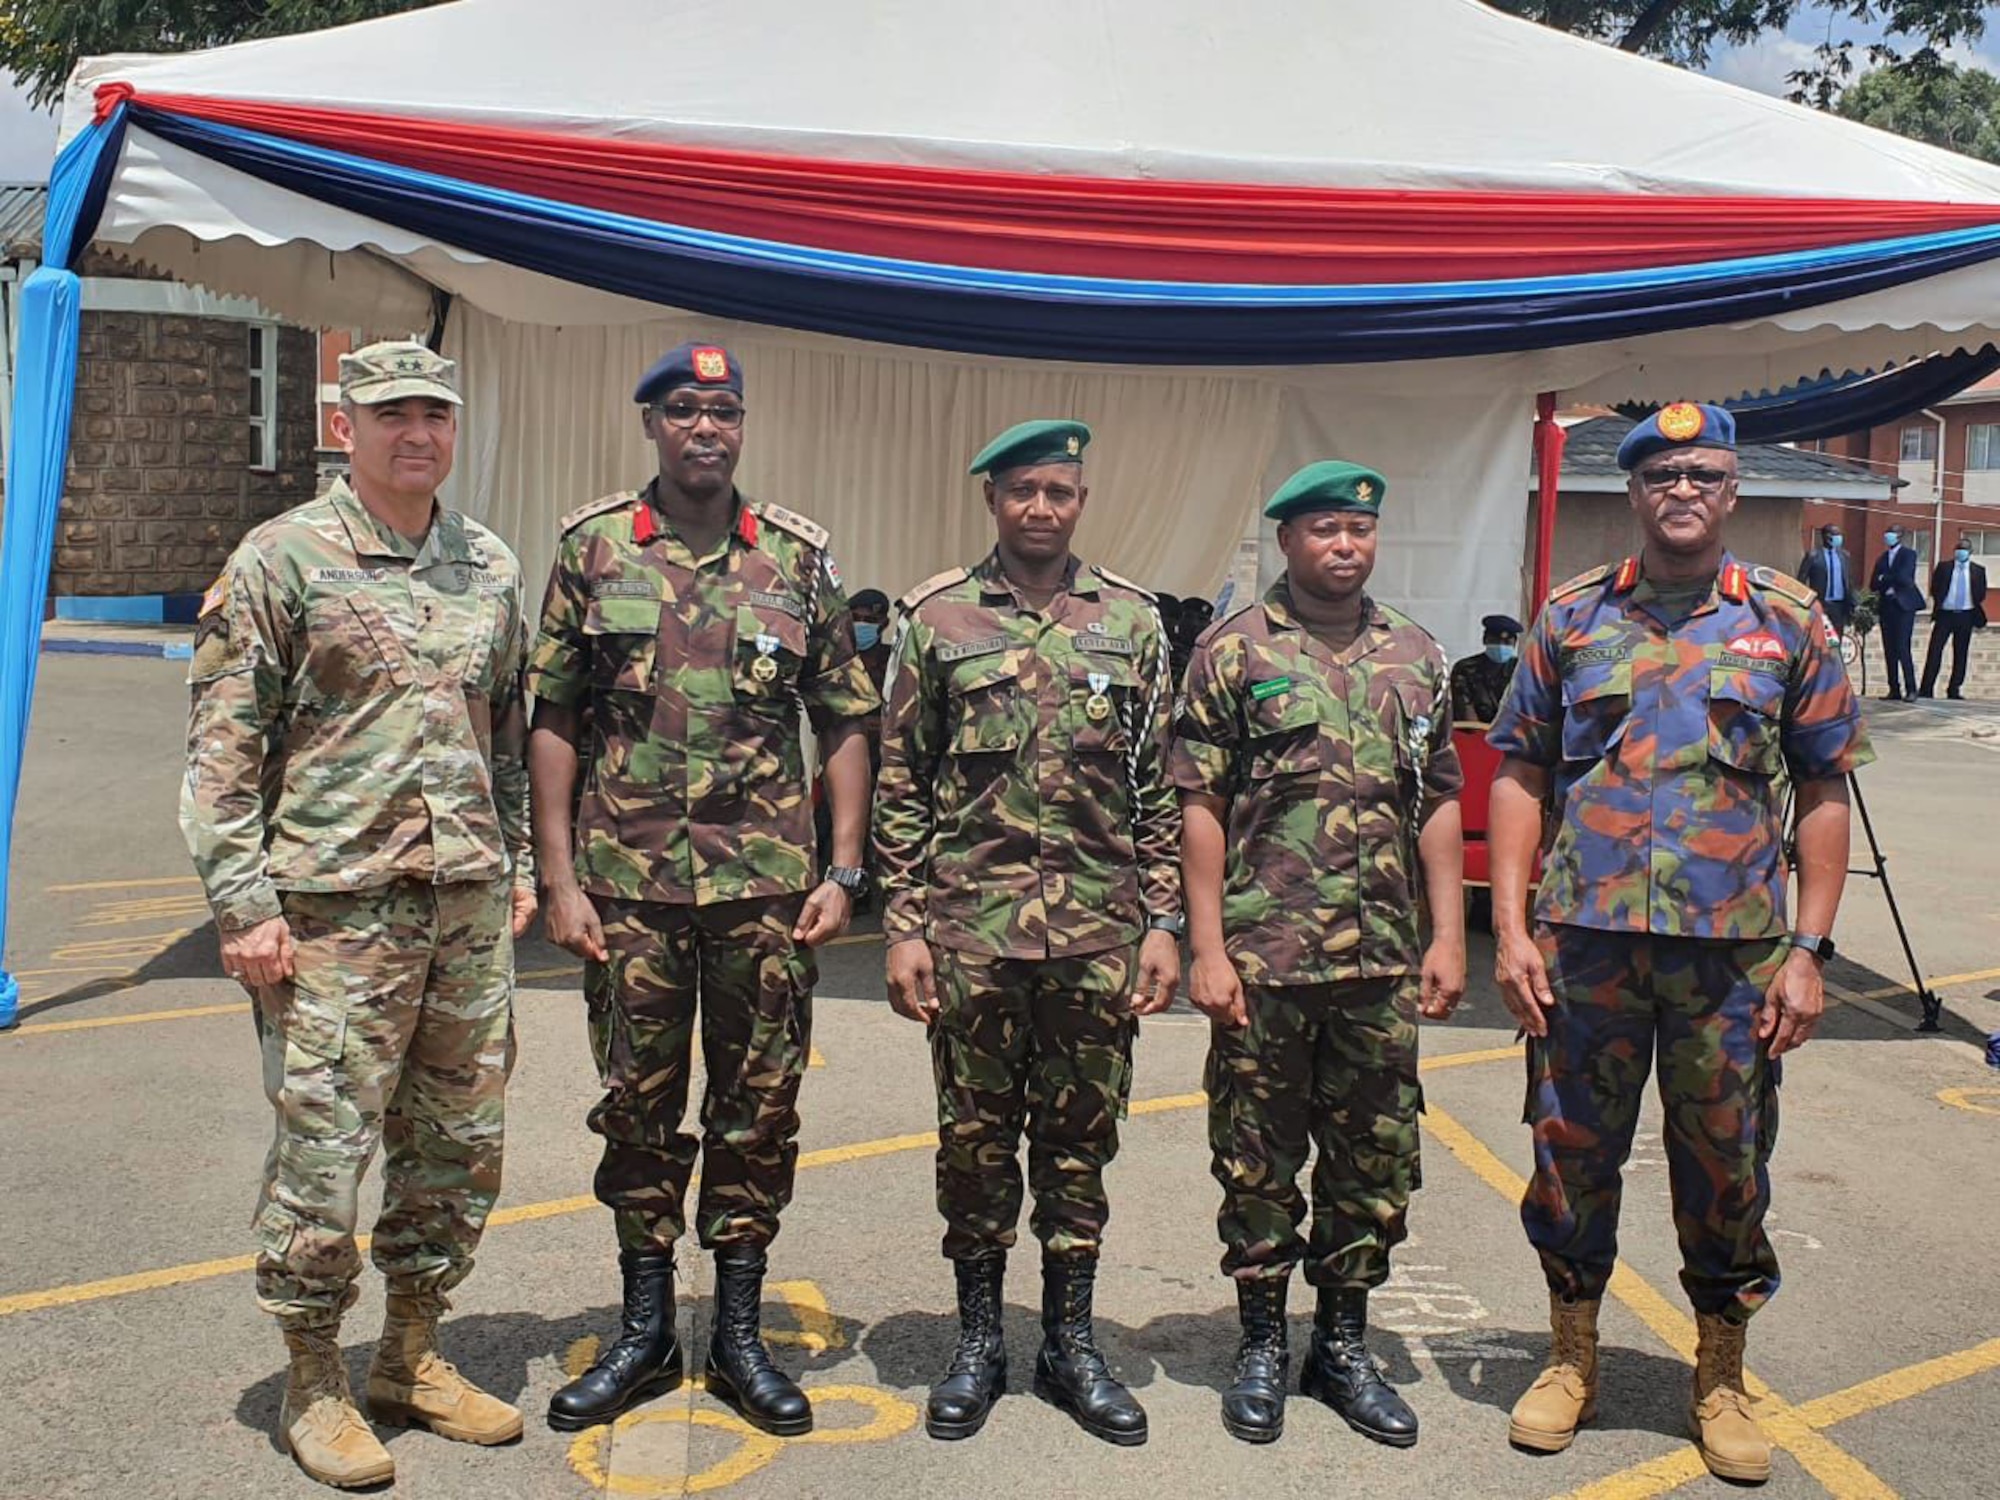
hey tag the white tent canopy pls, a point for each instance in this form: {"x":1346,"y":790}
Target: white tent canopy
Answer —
{"x":872,"y":439}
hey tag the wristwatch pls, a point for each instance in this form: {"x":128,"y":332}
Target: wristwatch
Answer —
{"x":1175,"y":924}
{"x":850,"y":878}
{"x":1819,"y":947}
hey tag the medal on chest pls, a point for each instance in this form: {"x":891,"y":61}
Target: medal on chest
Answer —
{"x":1097,"y":707}
{"x":765,"y":667}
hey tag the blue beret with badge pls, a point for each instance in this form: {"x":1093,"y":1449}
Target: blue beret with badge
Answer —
{"x":697,"y":365}
{"x":1026,"y":444}
{"x":1331,"y":484}
{"x":1683,"y":424}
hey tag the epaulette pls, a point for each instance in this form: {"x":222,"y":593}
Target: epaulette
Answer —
{"x":595,"y":508}
{"x":808,"y":531}
{"x":1124,"y":583}
{"x":936,"y":583}
{"x":1216,"y":626}
{"x":1784,"y":585}
{"x":1581,"y":582}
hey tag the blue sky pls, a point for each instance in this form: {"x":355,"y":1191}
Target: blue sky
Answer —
{"x":27,"y":139}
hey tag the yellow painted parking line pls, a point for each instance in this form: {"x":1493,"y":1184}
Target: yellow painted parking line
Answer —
{"x":828,"y":1156}
{"x":1843,"y":1475}
{"x":183,"y":1013}
{"x":121,"y":885}
{"x":571,"y":973}
{"x":1940,"y":982}
{"x":1973,"y":1101}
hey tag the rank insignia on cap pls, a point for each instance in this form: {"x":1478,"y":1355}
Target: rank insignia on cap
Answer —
{"x":711,"y":364}
{"x":1364,"y":491}
{"x":1680,"y":421}
{"x":1072,"y":445}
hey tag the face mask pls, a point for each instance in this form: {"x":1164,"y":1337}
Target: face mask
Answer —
{"x":1892,"y":537}
{"x":1834,"y":539}
{"x":866,"y":634}
{"x":1963,"y":554}
{"x":1502,"y":654}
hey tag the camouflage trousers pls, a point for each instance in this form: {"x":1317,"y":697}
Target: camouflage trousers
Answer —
{"x":1327,"y":1065}
{"x":397,"y":1028}
{"x":754,"y":988}
{"x":1620,"y":998}
{"x":1041,"y":1044}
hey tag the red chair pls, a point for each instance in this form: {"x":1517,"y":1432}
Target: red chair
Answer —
{"x":1481,"y":763}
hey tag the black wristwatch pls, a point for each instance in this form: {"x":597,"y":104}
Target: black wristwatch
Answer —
{"x":850,"y":878}
{"x":1175,"y":924}
{"x":1819,"y":947}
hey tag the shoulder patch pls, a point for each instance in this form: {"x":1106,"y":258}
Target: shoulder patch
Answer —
{"x":596,"y":508}
{"x":1124,"y":583}
{"x":936,"y":583}
{"x":1581,"y":582}
{"x":1784,"y":585}
{"x":805,"y":529}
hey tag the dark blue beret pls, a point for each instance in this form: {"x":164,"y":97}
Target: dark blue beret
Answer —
{"x":1685,"y":424}
{"x":704,"y":366}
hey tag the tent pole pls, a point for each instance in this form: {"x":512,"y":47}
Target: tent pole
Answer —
{"x":1548,"y":447}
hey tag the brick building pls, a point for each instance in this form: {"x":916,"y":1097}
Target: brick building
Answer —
{"x":196,"y":417}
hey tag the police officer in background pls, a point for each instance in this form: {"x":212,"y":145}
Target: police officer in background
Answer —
{"x":693,"y":624}
{"x":1661,"y":706}
{"x":1478,"y":683}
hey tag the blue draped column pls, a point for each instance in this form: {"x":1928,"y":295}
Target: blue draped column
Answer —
{"x":44,"y":389}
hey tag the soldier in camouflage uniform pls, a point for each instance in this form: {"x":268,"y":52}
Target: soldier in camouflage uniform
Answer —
{"x":1478,"y":683}
{"x":1024,"y":831}
{"x":356,"y":805}
{"x":1660,"y":707}
{"x":1318,"y":783}
{"x":692,"y":624}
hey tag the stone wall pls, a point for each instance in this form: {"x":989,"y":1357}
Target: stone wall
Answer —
{"x":160,"y":487}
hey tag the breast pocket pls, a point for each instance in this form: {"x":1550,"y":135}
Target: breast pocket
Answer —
{"x":769,"y":659}
{"x":624,"y":636}
{"x":1745,"y":718}
{"x":1103,"y":700}
{"x":984,"y":704}
{"x":353,"y":652}
{"x":1597,"y":700}
{"x":1284,"y":737}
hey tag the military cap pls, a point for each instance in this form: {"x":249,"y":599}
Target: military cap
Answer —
{"x":1026,"y":444}
{"x":705,"y":366}
{"x":395,"y":370}
{"x":869,"y":598}
{"x":1331,"y":484}
{"x":1500,"y":625}
{"x":1684,"y":424}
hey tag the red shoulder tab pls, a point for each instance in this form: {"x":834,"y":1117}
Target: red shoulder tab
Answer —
{"x":746,"y":526}
{"x":1734,"y":584}
{"x":1628,"y":576}
{"x":643,"y":527}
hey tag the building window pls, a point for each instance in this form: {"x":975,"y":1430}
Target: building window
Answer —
{"x":1919,"y":445}
{"x":263,"y":395}
{"x":1982,"y":543}
{"x":1982,"y":445}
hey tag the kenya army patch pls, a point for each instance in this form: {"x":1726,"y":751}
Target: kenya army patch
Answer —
{"x":1110,"y":645}
{"x":961,"y":650}
{"x":784,"y":604}
{"x":623,"y":588}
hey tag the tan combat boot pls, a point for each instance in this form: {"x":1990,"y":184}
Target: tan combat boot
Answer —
{"x":411,"y":1385}
{"x":1732,"y":1445}
{"x":1545,"y":1419}
{"x":321,"y":1426}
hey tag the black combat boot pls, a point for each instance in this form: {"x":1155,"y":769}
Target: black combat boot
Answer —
{"x":1069,"y":1372}
{"x":977,"y":1374}
{"x":740,"y":1373}
{"x":1340,"y":1372}
{"x":645,"y":1361}
{"x":1253,"y":1408}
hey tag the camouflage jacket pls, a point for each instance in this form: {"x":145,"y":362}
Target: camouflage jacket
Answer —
{"x":693,"y":670}
{"x":1022,"y":809}
{"x":1329,"y":763}
{"x":1667,"y":739}
{"x":1478,"y":683}
{"x":357,"y":710}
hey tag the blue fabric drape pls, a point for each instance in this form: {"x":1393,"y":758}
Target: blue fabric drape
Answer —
{"x":44,"y":389}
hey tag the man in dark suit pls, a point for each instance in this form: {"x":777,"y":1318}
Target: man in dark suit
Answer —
{"x":1958,"y":607}
{"x":1898,"y":601}
{"x":1829,"y":572}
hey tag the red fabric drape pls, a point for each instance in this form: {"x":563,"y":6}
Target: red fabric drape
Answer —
{"x":1129,"y":230}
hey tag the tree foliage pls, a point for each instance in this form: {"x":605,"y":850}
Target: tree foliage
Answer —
{"x":1956,"y":108}
{"x":41,"y":41}
{"x":1913,"y":33}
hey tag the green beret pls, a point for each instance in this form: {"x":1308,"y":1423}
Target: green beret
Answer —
{"x":1029,"y":443}
{"x":1330,"y":484}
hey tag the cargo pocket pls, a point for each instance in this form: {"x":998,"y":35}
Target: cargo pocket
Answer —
{"x":1597,"y":701}
{"x":768,"y":660}
{"x":1101,"y":690}
{"x":1745,"y":710}
{"x":985,"y":705}
{"x":624,"y":638}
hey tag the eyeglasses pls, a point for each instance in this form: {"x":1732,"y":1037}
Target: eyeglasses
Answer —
{"x":727,"y":415}
{"x":1707,"y":481}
